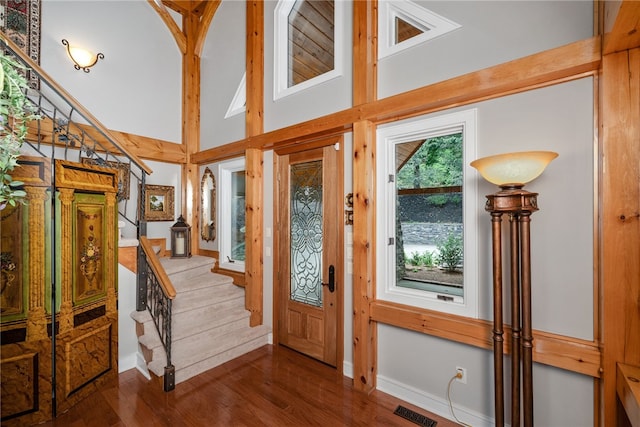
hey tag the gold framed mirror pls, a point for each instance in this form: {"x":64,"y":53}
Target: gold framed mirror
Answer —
{"x":208,"y":204}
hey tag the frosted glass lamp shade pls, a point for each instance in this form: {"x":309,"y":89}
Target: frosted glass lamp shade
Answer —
{"x":513,"y":169}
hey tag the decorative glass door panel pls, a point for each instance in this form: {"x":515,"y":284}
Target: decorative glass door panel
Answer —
{"x":306,"y":233}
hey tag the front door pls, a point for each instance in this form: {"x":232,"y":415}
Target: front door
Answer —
{"x":308,"y":264}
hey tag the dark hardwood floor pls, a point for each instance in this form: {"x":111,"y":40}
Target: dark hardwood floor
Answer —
{"x":271,"y":386}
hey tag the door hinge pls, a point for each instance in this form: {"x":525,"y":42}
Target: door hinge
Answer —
{"x":392,"y":178}
{"x":392,"y":241}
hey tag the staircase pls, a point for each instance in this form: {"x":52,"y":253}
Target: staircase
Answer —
{"x":210,"y":325}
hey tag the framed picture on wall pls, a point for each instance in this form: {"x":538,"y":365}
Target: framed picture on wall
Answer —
{"x":158,"y":203}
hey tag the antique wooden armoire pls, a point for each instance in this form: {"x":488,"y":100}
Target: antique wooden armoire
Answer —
{"x":59,"y":289}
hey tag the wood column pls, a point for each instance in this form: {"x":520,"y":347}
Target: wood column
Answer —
{"x":253,"y":237}
{"x":254,"y":125}
{"x":364,"y":283}
{"x":191,"y":126}
{"x":365,"y":19}
{"x":620,"y":219}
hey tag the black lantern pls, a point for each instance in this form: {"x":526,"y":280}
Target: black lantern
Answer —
{"x":181,"y":239}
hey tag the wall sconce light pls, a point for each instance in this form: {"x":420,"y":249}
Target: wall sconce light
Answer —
{"x":82,"y":58}
{"x":511,"y":172}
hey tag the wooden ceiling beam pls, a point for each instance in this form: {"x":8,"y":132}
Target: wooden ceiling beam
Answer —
{"x":208,"y":13}
{"x":565,"y":63}
{"x":177,"y":33}
{"x":622,"y":26}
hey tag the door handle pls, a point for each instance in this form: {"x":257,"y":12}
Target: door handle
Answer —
{"x":332,"y":279}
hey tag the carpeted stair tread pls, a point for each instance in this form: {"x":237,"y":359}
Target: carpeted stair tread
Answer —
{"x":199,"y":281}
{"x":207,"y":323}
{"x":210,"y":363}
{"x":192,"y":300}
{"x":176,"y":265}
{"x":244,"y":340}
{"x":189,"y":350}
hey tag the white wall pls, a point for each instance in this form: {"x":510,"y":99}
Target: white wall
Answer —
{"x":492,"y":32}
{"x":136,"y":88}
{"x":222,"y":68}
{"x":316,"y":101}
{"x":127,"y":338}
{"x":417,"y":367}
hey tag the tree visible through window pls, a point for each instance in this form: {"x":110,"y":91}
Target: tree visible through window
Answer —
{"x":429,"y":231}
{"x":427,"y":222}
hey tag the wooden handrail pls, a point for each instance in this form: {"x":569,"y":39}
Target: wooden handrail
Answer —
{"x":71,"y":100}
{"x":154,"y":262}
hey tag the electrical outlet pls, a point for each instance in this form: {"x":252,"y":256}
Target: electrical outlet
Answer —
{"x":461,"y":375}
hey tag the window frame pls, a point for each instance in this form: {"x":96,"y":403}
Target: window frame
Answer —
{"x":225,"y":172}
{"x":431,"y":23}
{"x":410,"y":130}
{"x":281,"y":50}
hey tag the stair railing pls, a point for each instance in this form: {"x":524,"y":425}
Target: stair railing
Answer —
{"x":160,"y":294}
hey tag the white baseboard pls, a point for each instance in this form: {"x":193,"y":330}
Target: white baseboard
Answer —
{"x":127,"y":362}
{"x":432,"y":403}
{"x":347,"y":369}
{"x":141,"y":366}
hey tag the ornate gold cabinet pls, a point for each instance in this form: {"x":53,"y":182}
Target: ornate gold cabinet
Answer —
{"x":59,"y":276}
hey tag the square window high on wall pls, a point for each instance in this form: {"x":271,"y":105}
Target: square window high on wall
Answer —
{"x":309,"y":36}
{"x":427,"y":210}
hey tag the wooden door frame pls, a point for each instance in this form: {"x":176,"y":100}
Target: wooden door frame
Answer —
{"x":339,"y":266}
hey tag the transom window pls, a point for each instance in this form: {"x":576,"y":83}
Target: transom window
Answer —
{"x":427,"y":205}
{"x":404,"y":23}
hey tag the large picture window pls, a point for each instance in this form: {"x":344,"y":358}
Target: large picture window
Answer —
{"x":427,"y":205}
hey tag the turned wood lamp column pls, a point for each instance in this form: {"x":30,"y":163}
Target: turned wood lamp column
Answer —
{"x":511,"y":172}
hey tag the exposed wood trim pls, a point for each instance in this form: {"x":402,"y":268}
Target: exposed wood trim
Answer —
{"x":568,"y":353}
{"x":625,"y":32}
{"x":140,"y":146}
{"x":178,"y":35}
{"x":254,"y":125}
{"x":208,"y":253}
{"x":209,"y":12}
{"x":365,"y":82}
{"x":128,"y":257}
{"x":254,"y":116}
{"x":253,"y":237}
{"x":620,"y":218}
{"x":154,"y":263}
{"x":364,"y":256}
{"x":566,"y":63}
{"x":191,"y":75}
{"x":153,"y":149}
{"x":160,"y":242}
{"x":365,"y":51}
{"x":106,"y":133}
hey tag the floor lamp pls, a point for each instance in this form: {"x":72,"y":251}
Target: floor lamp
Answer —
{"x":511,"y":172}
